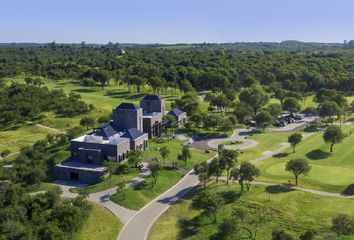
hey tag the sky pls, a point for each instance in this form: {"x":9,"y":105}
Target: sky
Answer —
{"x":176,"y":21}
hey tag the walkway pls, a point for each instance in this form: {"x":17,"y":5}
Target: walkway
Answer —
{"x":238,"y":135}
{"x":46,"y":127}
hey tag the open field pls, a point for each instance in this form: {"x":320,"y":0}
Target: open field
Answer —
{"x":293,"y":211}
{"x":138,"y":197}
{"x":101,"y":224}
{"x":175,"y":147}
{"x":267,"y":141}
{"x":17,"y":136}
{"x":330,"y":172}
{"x":103,"y":100}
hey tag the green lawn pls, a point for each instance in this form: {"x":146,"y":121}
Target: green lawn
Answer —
{"x":103,"y":100}
{"x":101,"y":224}
{"x":123,"y":173}
{"x":267,"y":141}
{"x":138,"y":197}
{"x":330,"y":172}
{"x":17,"y":136}
{"x":293,"y":211}
{"x":175,"y":148}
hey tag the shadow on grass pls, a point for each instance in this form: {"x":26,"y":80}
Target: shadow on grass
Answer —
{"x":281,"y":155}
{"x":311,"y":128}
{"x":84,"y":90}
{"x":230,"y":196}
{"x":349,"y":190}
{"x":317,"y":154}
{"x":277,"y":189}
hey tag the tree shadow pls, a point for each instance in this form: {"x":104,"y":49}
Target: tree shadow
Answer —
{"x":277,"y":189}
{"x":349,"y":190}
{"x":281,"y":155}
{"x":317,"y":154}
{"x":84,"y":90}
{"x":311,"y":128}
{"x":230,"y":196}
{"x":188,"y":228}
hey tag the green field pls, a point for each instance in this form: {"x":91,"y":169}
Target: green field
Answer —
{"x":293,"y":211}
{"x":138,"y":197}
{"x":267,"y":141}
{"x":103,"y":100}
{"x":101,"y":224}
{"x":330,"y":172}
{"x":17,"y":136}
{"x":175,"y":147}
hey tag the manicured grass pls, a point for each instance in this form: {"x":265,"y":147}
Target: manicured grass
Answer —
{"x":138,"y":197}
{"x":330,"y":172}
{"x":175,"y":147}
{"x":17,"y":136}
{"x":101,"y":224}
{"x":103,"y":100}
{"x":293,"y":211}
{"x":123,"y":173}
{"x":267,"y":141}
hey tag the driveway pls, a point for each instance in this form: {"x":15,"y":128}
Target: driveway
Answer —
{"x":238,"y":135}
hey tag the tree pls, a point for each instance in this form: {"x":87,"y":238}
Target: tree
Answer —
{"x":209,"y":202}
{"x":202,"y":170}
{"x":294,"y":139}
{"x":227,"y":125}
{"x":275,"y":110}
{"x":245,"y":174}
{"x":254,"y":96}
{"x":185,"y":155}
{"x":155,"y":168}
{"x":281,"y":235}
{"x":72,"y":133}
{"x":102,"y":77}
{"x":298,"y":167}
{"x":333,"y":135}
{"x":308,"y":235}
{"x":216,"y":167}
{"x":104,"y":119}
{"x":111,"y":167}
{"x":137,"y":81}
{"x":343,"y":224}
{"x":164,"y":152}
{"x":329,"y":109}
{"x":291,"y":104}
{"x":280,"y":94}
{"x":212,"y":121}
{"x":121,"y":187}
{"x":243,"y":112}
{"x":134,"y":158}
{"x":229,"y":157}
{"x":87,"y":122}
{"x":263,"y":119}
{"x":5,"y":153}
{"x":188,"y":103}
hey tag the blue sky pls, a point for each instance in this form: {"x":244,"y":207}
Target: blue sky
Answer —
{"x":175,"y":21}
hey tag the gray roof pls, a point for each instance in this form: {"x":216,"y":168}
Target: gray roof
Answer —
{"x":106,"y":130}
{"x":152,"y":97}
{"x":133,"y":133}
{"x":127,"y":106}
{"x":176,"y":112}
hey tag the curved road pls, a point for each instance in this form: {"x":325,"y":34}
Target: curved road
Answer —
{"x":238,"y":135}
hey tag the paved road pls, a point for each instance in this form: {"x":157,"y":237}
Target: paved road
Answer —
{"x":238,"y":135}
{"x":139,"y":226}
{"x":303,"y":123}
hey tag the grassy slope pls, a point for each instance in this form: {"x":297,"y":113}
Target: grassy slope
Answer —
{"x":15,"y":137}
{"x":330,"y":173}
{"x":175,"y":148}
{"x":103,"y":100}
{"x":101,"y":224}
{"x":293,"y":211}
{"x":138,"y":197}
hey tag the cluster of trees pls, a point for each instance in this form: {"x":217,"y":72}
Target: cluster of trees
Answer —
{"x":42,"y":216}
{"x":20,"y":102}
{"x":199,"y":68}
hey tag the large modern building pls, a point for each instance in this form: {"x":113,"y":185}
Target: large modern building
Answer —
{"x":129,"y":129}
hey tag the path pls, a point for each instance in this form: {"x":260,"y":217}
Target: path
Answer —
{"x":46,"y":127}
{"x":238,"y":135}
{"x":103,"y":197}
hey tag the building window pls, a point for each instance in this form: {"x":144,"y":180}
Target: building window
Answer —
{"x":89,"y":158}
{"x":74,"y":154}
